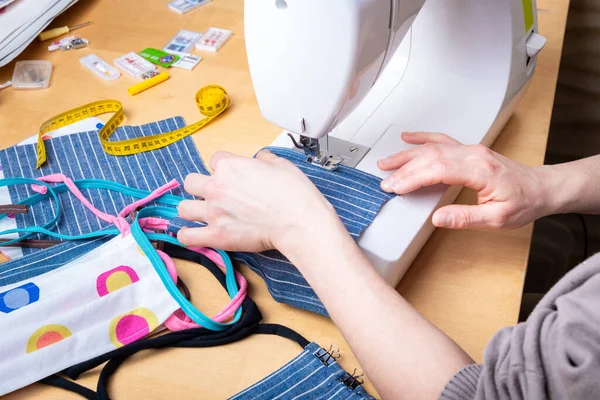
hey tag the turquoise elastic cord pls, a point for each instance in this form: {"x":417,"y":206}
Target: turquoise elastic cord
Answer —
{"x":168,"y":199}
{"x":53,"y":191}
{"x":141,"y":237}
{"x":169,"y":213}
{"x":28,"y":181}
{"x":143,"y":240}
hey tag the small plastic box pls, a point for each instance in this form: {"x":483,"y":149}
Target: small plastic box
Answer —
{"x":100,"y":67}
{"x":32,"y":74}
{"x":213,"y":39}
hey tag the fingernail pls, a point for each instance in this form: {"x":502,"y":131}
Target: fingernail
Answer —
{"x":442,"y":220}
{"x":386,"y":184}
{"x":397,"y":185}
{"x":408,"y":133}
{"x":383,"y":161}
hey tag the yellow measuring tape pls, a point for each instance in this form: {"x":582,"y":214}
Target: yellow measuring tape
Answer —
{"x":211,"y":100}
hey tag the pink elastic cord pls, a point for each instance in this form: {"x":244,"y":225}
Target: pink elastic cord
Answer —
{"x":178,"y":321}
{"x":171,"y":269}
{"x":153,"y":223}
{"x":152,"y":196}
{"x":210,"y":254}
{"x":119,"y":221}
{"x":60,"y":178}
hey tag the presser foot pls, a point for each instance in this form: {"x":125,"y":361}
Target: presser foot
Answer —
{"x":330,"y":152}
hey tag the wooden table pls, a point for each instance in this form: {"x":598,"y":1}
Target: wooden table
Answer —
{"x":468,"y":283}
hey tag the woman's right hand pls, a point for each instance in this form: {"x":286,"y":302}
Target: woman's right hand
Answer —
{"x":509,"y":194}
{"x":255,"y":204}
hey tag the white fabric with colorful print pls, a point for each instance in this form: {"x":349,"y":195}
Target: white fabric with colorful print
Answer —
{"x":105,"y":299}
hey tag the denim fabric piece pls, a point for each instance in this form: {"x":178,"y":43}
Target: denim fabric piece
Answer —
{"x":81,"y":156}
{"x":356,"y":197}
{"x":305,"y":377}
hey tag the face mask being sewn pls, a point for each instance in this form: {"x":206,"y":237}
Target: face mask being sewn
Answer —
{"x":108,"y":298}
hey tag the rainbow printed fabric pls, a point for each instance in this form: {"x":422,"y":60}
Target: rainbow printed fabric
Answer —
{"x":110,"y":297}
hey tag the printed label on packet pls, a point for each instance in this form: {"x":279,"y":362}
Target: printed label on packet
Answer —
{"x":213,"y":39}
{"x":136,"y":66}
{"x":159,"y":57}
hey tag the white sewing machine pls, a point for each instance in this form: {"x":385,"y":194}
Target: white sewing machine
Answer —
{"x":346,"y":77}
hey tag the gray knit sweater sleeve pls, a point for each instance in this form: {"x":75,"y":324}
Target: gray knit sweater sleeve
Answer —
{"x":555,"y":354}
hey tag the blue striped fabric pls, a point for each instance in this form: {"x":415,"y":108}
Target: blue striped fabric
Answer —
{"x":81,"y":156}
{"x":305,"y":377}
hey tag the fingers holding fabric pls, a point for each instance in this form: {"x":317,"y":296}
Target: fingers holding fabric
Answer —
{"x":266,"y":155}
{"x":251,"y":203}
{"x":432,"y":146}
{"x":201,"y":237}
{"x":229,"y":237}
{"x":428,"y":172}
{"x":279,"y":162}
{"x":194,"y":184}
{"x":506,"y":190}
{"x":219,"y":157}
{"x":193,"y":210}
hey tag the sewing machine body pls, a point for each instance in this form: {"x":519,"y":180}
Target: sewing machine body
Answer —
{"x":365,"y":71}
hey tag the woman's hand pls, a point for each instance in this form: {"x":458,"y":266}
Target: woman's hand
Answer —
{"x":253,"y":204}
{"x":509,"y":194}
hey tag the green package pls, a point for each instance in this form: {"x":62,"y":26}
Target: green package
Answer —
{"x":159,"y":57}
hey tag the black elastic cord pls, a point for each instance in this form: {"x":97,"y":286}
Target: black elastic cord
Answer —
{"x":283,"y":331}
{"x":251,"y":317}
{"x":203,"y":341}
{"x":197,"y":338}
{"x":62,"y":383}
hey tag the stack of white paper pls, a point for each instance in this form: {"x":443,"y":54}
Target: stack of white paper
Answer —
{"x":22,"y":22}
